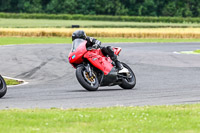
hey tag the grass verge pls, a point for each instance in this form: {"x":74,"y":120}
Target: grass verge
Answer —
{"x":147,"y":119}
{"x":45,"y":23}
{"x":57,"y":40}
{"x":197,"y":51}
{"x":12,"y":82}
{"x":100,"y":17}
{"x":191,"y":52}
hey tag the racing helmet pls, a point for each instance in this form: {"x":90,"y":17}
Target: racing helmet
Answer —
{"x":78,"y":34}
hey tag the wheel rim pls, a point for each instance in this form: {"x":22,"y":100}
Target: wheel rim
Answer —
{"x":90,"y":80}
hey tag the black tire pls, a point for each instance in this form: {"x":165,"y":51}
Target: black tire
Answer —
{"x":80,"y":71}
{"x":3,"y":88}
{"x":128,"y":83}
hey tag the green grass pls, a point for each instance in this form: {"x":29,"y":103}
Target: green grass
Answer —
{"x":33,"y":40}
{"x":197,"y":51}
{"x":191,"y":52}
{"x":12,"y":82}
{"x":37,"y":23}
{"x":100,"y":17}
{"x":57,"y":40}
{"x":147,"y":119}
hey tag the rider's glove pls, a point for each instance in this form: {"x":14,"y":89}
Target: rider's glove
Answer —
{"x":95,"y":46}
{"x":98,"y":42}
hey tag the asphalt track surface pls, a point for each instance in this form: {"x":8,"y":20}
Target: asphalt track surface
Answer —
{"x":163,"y":77}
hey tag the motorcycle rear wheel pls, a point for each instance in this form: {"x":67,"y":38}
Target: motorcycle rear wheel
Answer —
{"x":89,"y":83}
{"x":3,"y":88}
{"x":128,"y":83}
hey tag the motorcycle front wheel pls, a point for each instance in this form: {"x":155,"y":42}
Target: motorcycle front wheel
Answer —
{"x":128,"y":83}
{"x":3,"y":88}
{"x":89,"y":83}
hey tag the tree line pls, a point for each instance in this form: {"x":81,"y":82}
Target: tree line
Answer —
{"x":178,"y":8}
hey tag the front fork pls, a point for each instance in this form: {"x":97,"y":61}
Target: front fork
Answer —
{"x":88,"y":69}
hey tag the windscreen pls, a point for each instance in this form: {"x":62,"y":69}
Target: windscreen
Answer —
{"x":76,"y":43}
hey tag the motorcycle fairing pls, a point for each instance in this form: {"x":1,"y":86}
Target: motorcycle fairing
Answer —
{"x":76,"y":54}
{"x":97,"y":59}
{"x":111,"y":78}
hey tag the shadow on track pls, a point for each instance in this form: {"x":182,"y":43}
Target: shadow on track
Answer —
{"x":96,"y":91}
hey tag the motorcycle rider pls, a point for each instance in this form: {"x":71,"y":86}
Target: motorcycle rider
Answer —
{"x":94,"y":43}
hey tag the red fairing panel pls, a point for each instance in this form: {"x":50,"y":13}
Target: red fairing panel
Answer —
{"x":76,"y":56}
{"x":99,"y":60}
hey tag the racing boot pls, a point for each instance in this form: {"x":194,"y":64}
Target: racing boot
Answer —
{"x":120,"y":67}
{"x":118,"y":64}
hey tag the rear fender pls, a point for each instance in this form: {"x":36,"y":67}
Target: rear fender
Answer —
{"x":117,"y":50}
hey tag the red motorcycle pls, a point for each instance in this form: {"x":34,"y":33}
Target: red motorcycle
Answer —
{"x":93,"y":69}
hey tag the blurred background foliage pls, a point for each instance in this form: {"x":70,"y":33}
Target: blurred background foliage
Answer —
{"x":178,"y":8}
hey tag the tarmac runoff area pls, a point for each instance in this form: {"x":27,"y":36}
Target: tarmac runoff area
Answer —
{"x":163,"y":77}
